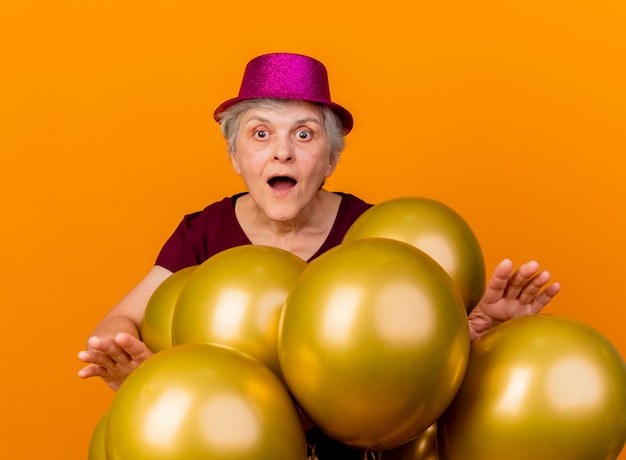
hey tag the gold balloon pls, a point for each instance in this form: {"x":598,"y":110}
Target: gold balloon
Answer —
{"x":373,"y":342}
{"x":436,"y":229}
{"x":97,"y":442}
{"x":156,"y":328}
{"x":210,"y":402}
{"x":424,"y":447}
{"x":235,"y":298}
{"x":539,"y":387}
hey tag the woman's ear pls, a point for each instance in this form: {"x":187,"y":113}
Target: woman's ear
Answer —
{"x":331,"y":168}
{"x":233,"y":161}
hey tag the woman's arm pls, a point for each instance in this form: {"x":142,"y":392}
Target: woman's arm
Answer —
{"x":114,"y":349}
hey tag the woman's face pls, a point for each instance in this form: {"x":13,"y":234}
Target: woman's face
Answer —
{"x":283,"y":156}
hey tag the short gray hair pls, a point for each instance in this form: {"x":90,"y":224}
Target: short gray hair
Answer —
{"x":229,"y":121}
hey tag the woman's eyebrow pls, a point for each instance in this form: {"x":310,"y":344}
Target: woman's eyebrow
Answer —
{"x":257,"y":118}
{"x":308,"y":120}
{"x":301,"y":121}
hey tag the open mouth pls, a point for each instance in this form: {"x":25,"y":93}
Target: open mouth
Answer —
{"x":282,"y":183}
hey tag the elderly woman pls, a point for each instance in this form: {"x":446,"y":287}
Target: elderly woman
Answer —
{"x":284,"y":136}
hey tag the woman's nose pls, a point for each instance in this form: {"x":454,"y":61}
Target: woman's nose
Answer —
{"x":283,"y":150}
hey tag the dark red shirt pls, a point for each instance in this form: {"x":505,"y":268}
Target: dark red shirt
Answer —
{"x":214,"y":229}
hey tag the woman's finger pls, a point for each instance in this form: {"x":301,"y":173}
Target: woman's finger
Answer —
{"x":133,"y":347}
{"x":520,"y":278}
{"x":96,"y":357}
{"x":532,"y":288}
{"x":498,"y":281}
{"x":544,"y":297}
{"x":107,"y":347}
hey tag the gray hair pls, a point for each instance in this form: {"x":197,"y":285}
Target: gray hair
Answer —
{"x":230,"y":118}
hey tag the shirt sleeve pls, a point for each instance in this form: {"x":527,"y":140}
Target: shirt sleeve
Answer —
{"x":179,"y":251}
{"x":203,"y":234}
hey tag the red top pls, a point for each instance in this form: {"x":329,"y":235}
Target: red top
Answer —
{"x":214,"y":229}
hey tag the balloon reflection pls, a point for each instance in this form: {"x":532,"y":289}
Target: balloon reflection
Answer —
{"x":229,"y":424}
{"x":403,"y":314}
{"x":338,"y":316}
{"x":515,"y":390}
{"x":164,"y":419}
{"x":574,"y":384}
{"x":228,"y":314}
{"x":439,"y":249}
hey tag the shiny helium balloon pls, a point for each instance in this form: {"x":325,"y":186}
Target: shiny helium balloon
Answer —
{"x":97,"y":443}
{"x":235,"y":298}
{"x":210,"y":402}
{"x":539,"y":387}
{"x":424,"y":447}
{"x":373,"y":342}
{"x":156,"y":328}
{"x":436,"y":229}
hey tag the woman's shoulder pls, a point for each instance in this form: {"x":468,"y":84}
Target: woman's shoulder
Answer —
{"x":220,"y":208}
{"x":353,"y":203}
{"x":350,"y":209}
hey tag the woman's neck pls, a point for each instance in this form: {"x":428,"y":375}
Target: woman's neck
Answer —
{"x":302,"y":236}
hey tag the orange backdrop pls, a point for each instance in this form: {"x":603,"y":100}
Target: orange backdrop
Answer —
{"x":513,"y":113}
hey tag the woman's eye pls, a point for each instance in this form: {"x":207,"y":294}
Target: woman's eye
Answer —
{"x":260,"y":134}
{"x":303,"y":135}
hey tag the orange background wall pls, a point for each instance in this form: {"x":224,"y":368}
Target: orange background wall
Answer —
{"x":513,"y":113}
